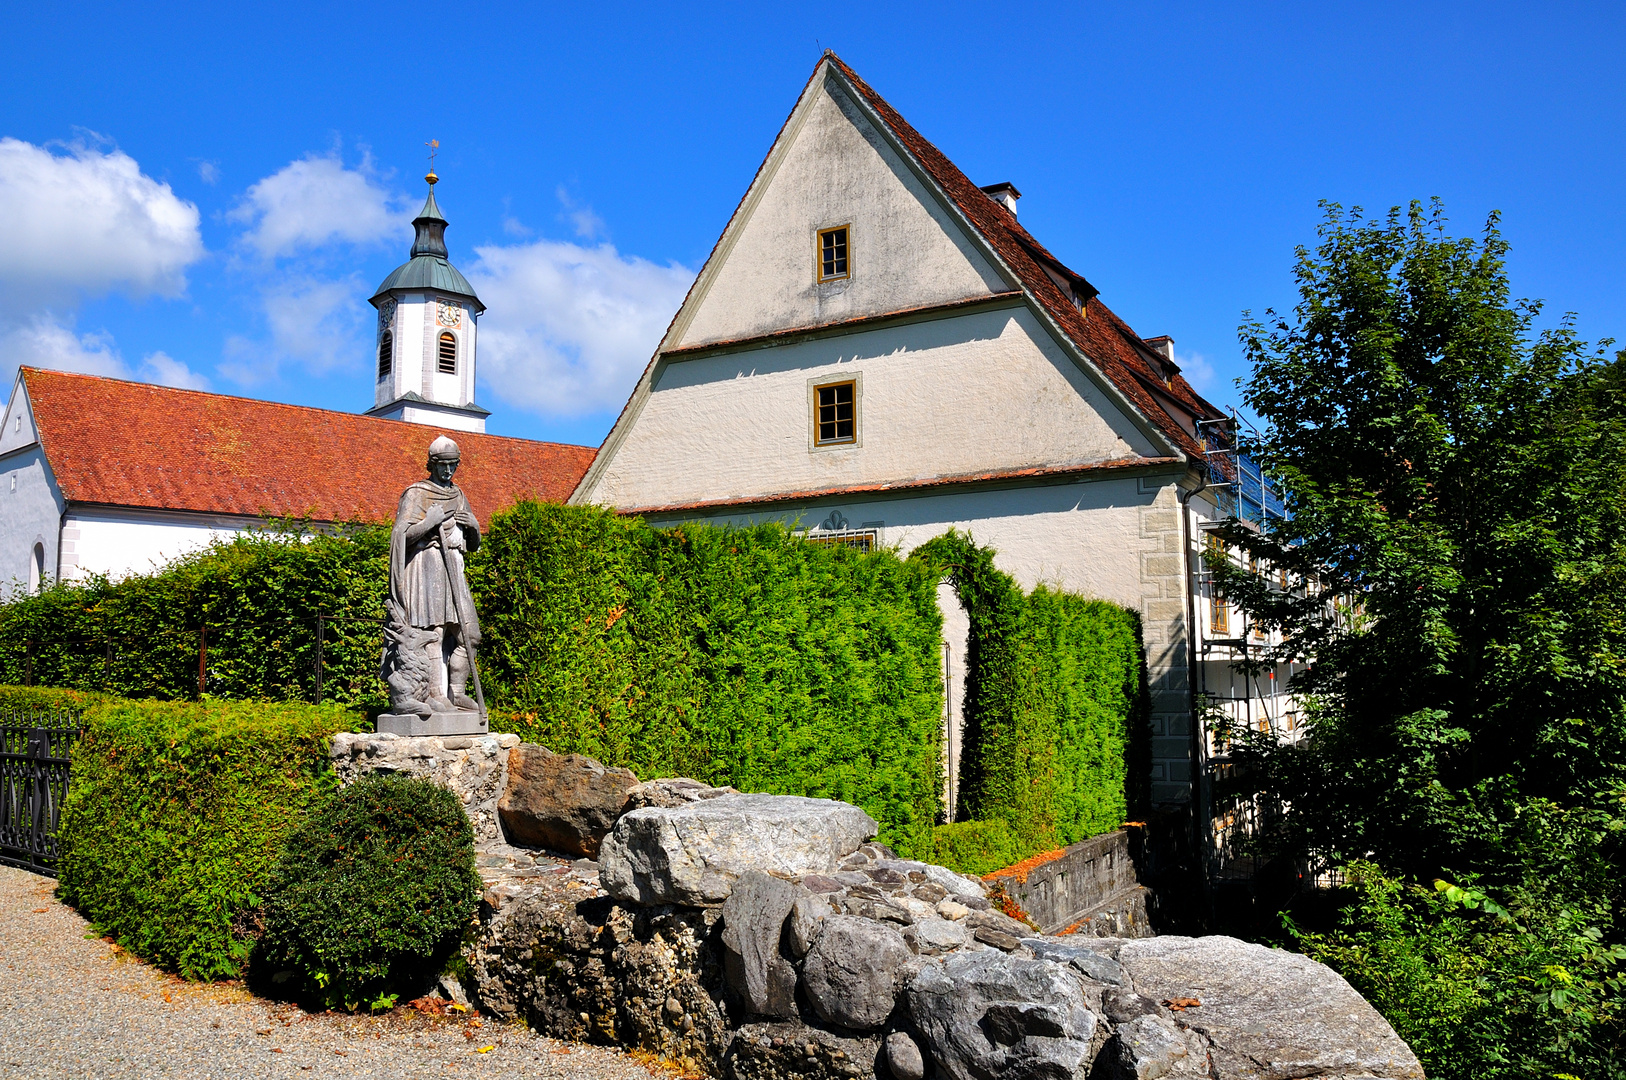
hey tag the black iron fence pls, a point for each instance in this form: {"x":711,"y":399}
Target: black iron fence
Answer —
{"x":33,"y":782}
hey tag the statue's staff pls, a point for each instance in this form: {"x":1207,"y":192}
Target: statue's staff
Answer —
{"x":462,"y":616}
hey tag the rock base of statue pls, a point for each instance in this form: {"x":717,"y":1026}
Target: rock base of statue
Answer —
{"x":441,"y":723}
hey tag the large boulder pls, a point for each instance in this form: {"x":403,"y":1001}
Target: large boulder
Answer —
{"x":987,"y":1014}
{"x":851,"y":973}
{"x":563,"y":802}
{"x":1268,"y":1014}
{"x":753,"y":922}
{"x":693,"y":853}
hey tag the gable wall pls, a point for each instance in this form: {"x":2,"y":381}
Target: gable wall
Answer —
{"x":832,"y":169}
{"x":17,"y":430}
{"x":30,"y":513}
{"x":977,"y":391}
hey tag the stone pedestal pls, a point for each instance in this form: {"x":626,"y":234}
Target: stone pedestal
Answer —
{"x":444,"y":723}
{"x":474,"y":767}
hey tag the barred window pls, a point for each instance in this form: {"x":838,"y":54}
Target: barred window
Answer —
{"x":832,"y":253}
{"x":860,"y":540}
{"x":448,"y":355}
{"x":386,"y":354}
{"x":836,"y":421}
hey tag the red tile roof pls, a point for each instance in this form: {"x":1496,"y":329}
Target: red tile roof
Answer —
{"x":1103,"y":337}
{"x":133,"y":444}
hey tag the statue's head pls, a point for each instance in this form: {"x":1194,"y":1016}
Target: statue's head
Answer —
{"x":443,"y":458}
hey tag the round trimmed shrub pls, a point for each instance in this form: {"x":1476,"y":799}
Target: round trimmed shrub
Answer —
{"x":372,"y":894}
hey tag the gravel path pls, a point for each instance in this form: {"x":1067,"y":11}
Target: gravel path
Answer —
{"x":77,"y":1008}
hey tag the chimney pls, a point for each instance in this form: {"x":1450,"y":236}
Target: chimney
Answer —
{"x":1164,"y":344}
{"x":1005,"y":195}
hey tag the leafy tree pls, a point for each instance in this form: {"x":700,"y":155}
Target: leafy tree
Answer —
{"x":1456,"y":555}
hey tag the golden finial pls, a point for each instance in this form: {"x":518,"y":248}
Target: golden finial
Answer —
{"x":434,"y":148}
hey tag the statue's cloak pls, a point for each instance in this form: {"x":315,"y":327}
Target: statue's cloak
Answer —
{"x":419,"y":581}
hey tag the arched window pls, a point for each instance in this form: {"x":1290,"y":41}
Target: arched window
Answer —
{"x":448,"y":354}
{"x":36,"y":568}
{"x":386,"y":354}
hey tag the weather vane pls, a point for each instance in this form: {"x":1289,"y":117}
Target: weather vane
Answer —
{"x":434,"y":148}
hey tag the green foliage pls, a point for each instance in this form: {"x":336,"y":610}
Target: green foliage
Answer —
{"x":977,"y":847}
{"x":1457,"y":483}
{"x":737,"y":656}
{"x":372,"y":894}
{"x":1055,"y":703}
{"x":1481,"y":991}
{"x":257,"y":594}
{"x":47,"y":700}
{"x":1462,"y":483}
{"x":175,"y":815}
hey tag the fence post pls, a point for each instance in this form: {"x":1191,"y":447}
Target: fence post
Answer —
{"x":320,"y":627}
{"x":203,"y":657}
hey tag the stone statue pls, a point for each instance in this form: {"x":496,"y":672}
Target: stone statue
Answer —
{"x":431,"y":630}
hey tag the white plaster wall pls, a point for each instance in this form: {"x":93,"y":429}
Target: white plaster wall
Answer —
{"x":1083,"y":537}
{"x":972,"y":392}
{"x":30,"y":513}
{"x":457,"y":421}
{"x":119,"y":542}
{"x":832,"y":168}
{"x":956,"y":646}
{"x":17,"y":429}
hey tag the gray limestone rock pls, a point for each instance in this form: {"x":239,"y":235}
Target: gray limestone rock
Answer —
{"x":987,"y":1014}
{"x":563,"y":802}
{"x":753,"y":922}
{"x":1121,"y":1005}
{"x":673,"y":791}
{"x":693,"y":853}
{"x":1086,"y":961}
{"x":934,"y":936}
{"x":1269,"y":1014}
{"x":851,"y":972}
{"x":903,"y":1057}
{"x":806,"y":920}
{"x":1151,"y":1047}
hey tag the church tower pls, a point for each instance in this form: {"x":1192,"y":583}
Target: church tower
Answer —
{"x":427,"y":313}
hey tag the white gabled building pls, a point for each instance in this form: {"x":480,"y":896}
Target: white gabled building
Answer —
{"x":877,"y":351}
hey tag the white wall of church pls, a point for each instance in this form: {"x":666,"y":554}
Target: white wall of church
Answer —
{"x":119,"y":542}
{"x":30,"y":515}
{"x":831,"y":168}
{"x":971,"y":393}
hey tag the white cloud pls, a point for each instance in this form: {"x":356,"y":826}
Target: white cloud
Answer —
{"x":316,"y":201}
{"x":1199,"y":372}
{"x":570,"y":328}
{"x":86,"y":221}
{"x":321,"y":325}
{"x":588,"y":225}
{"x":209,"y":172}
{"x":45,"y":342}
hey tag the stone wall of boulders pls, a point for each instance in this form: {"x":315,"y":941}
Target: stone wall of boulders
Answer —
{"x":756,"y":936}
{"x":1090,"y":887}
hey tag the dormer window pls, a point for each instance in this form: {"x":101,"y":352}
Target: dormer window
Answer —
{"x":448,"y":355}
{"x":386,"y":354}
{"x":833,"y":253}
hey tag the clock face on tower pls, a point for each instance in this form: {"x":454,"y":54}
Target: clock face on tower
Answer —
{"x":449,"y":313}
{"x":386,"y":315}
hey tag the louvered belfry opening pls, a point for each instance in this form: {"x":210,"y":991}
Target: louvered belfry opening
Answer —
{"x":448,"y":355}
{"x":386,"y":352}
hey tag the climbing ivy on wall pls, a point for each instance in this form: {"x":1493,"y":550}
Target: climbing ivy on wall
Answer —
{"x":1055,"y":706}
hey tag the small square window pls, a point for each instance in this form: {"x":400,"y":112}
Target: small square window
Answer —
{"x":833,"y":253}
{"x":835,"y":419}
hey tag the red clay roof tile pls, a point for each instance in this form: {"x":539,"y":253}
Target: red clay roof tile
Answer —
{"x":133,"y":444}
{"x":1104,"y":338}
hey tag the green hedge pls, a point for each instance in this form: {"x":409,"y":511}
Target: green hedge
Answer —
{"x":256,"y":597}
{"x":1055,"y":708}
{"x":737,"y":656}
{"x":176,"y":813}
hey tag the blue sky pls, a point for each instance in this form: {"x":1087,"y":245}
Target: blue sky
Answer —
{"x":207,"y":197}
